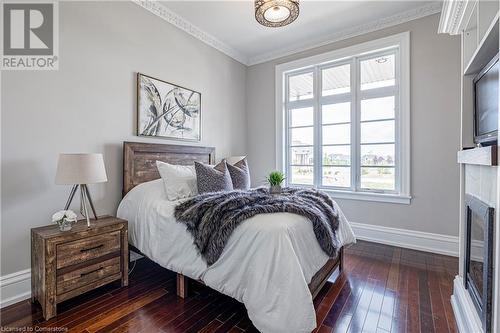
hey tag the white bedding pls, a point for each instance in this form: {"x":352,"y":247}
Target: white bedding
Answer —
{"x":267,"y":263}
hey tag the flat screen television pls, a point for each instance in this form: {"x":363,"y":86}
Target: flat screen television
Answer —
{"x":486,"y":104}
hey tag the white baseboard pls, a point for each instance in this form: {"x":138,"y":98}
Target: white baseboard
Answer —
{"x":416,"y":240}
{"x":15,"y":287}
{"x":466,"y":315}
{"x":134,"y":256}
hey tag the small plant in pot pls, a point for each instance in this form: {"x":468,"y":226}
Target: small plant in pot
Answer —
{"x":275,"y":180}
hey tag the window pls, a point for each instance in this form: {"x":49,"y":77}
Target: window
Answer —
{"x":344,"y":121}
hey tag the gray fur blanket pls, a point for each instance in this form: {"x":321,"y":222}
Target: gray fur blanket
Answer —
{"x":212,"y":217}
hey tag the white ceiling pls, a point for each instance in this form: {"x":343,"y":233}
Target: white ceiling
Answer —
{"x":231,"y":24}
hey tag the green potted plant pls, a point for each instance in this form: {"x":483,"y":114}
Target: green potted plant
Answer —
{"x":275,"y":179}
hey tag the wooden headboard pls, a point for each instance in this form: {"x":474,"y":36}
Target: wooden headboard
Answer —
{"x":139,"y":160}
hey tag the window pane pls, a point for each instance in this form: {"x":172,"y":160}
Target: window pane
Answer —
{"x":300,"y":87}
{"x":336,"y":113}
{"x":302,"y":136}
{"x":377,"y":108}
{"x":378,"y":72}
{"x":378,"y":178}
{"x":377,"y":131}
{"x":336,"y":80}
{"x":378,"y":155}
{"x":337,"y":155}
{"x":301,"y":117}
{"x":336,"y":176}
{"x":302,"y":156}
{"x":336,"y":134}
{"x":301,"y":175}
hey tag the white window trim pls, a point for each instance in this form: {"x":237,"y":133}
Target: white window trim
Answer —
{"x":402,"y":40}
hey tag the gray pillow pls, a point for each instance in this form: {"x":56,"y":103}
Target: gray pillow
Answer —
{"x":213,"y":178}
{"x":240,"y":175}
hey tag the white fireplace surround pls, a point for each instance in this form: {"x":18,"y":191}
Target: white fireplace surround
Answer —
{"x":477,"y":21}
{"x":465,"y":312}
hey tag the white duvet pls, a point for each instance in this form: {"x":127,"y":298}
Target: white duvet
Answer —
{"x":267,"y":263}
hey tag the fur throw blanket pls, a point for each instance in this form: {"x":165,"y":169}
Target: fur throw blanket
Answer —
{"x":212,"y":217}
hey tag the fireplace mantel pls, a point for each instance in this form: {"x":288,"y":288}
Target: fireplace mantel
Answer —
{"x":479,"y":156}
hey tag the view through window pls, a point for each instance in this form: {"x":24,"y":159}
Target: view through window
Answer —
{"x":341,"y":124}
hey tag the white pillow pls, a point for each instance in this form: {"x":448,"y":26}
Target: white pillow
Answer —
{"x":179,"y":180}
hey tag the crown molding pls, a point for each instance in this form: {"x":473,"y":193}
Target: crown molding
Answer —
{"x":455,"y":15}
{"x":173,"y":18}
{"x":413,"y":14}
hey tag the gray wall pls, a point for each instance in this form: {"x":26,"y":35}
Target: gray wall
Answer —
{"x":89,"y":106}
{"x":435,"y":130}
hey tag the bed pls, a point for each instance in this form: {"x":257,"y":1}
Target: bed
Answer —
{"x":274,"y":264}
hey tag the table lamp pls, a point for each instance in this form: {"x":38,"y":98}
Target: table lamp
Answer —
{"x":79,"y":170}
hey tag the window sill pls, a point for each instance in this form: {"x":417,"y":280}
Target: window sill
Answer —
{"x":366,"y":196}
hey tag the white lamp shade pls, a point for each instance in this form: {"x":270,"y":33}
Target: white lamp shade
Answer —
{"x":80,"y":169}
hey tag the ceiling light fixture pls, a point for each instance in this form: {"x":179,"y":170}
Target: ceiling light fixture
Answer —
{"x":276,"y":13}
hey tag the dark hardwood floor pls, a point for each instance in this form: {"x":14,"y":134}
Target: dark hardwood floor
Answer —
{"x":383,"y":289}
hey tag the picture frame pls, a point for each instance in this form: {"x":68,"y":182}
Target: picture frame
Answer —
{"x":166,"y":110}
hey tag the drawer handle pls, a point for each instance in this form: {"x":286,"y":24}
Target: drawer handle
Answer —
{"x":95,"y":270}
{"x":92,"y":248}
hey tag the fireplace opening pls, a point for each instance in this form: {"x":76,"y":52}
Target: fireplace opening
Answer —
{"x":479,"y":257}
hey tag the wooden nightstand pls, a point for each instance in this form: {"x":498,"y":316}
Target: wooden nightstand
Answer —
{"x":65,"y":264}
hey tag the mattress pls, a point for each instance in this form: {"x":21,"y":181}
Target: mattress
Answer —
{"x":267,"y":263}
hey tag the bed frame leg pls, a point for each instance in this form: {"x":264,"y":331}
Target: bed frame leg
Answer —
{"x":341,"y":261}
{"x":182,"y":286}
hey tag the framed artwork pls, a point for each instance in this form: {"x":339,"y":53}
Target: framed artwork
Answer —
{"x":167,"y":110}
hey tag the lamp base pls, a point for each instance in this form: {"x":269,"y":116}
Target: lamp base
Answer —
{"x":84,"y":198}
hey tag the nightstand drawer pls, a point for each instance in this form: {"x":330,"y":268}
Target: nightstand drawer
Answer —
{"x":88,"y":248}
{"x":87,"y":275}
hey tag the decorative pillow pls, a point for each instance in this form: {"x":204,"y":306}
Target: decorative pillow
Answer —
{"x":234,"y":159}
{"x":179,"y":180}
{"x":240,"y":174}
{"x":213,"y":178}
